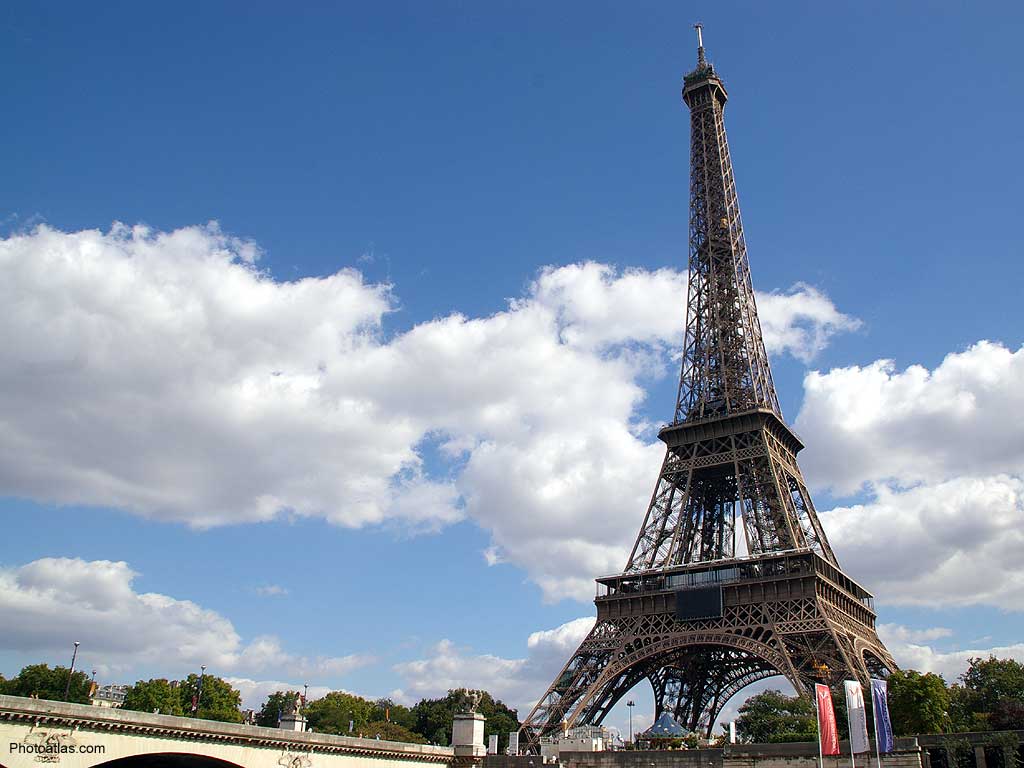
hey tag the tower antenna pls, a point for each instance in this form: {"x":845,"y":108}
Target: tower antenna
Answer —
{"x":700,"y":43}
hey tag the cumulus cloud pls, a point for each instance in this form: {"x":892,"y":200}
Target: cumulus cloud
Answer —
{"x":874,"y":423}
{"x":939,"y":455}
{"x":517,"y":682}
{"x":271,"y":590}
{"x":47,"y":601}
{"x":597,"y":306}
{"x":165,"y":374}
{"x":909,"y":648}
{"x":936,"y":536}
{"x":801,"y":321}
{"x":255,"y":692}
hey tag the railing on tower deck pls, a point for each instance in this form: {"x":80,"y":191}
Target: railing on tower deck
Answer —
{"x":794,"y":562}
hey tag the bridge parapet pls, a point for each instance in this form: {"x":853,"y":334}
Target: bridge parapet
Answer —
{"x":19,"y":716}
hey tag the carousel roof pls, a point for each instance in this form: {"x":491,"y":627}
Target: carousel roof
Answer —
{"x":665,"y":727}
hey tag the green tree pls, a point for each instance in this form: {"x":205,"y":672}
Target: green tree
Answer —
{"x":332,"y":713}
{"x":772,"y":716}
{"x":434,"y":717}
{"x":993,"y":689}
{"x":274,"y":708}
{"x":434,"y":720}
{"x":154,"y":695}
{"x":391,"y":731}
{"x":1008,"y":715}
{"x":388,"y":711}
{"x":218,"y":701}
{"x":962,"y":716}
{"x":993,"y":680}
{"x":39,"y":681}
{"x":918,"y":703}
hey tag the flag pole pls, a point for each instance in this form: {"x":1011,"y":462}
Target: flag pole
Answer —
{"x":874,"y":717}
{"x":817,"y":724}
{"x":849,"y":727}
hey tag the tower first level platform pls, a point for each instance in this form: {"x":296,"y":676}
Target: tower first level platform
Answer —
{"x":700,"y":633}
{"x":699,"y":595}
{"x":794,"y":608}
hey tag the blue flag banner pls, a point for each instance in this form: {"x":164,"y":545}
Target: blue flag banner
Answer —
{"x":880,"y":704}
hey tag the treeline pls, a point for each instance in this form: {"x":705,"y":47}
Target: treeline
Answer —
{"x":429,"y":721}
{"x":218,"y":701}
{"x":42,"y":682}
{"x":989,"y":696}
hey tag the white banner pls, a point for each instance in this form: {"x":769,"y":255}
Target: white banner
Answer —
{"x":513,"y":742}
{"x":492,"y":744}
{"x":856,"y":716}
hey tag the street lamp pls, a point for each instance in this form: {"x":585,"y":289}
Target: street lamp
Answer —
{"x":630,"y":704}
{"x":74,"y":655}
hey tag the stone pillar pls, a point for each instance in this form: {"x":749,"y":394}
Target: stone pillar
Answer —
{"x":468,"y":739}
{"x":979,"y":757}
{"x":293,"y":722}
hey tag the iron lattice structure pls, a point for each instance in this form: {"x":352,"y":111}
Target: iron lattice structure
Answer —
{"x":697,"y":619}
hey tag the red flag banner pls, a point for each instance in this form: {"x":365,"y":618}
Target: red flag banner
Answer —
{"x":827,"y":733}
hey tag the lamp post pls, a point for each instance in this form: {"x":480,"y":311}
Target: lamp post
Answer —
{"x":631,"y":704}
{"x":74,"y":655}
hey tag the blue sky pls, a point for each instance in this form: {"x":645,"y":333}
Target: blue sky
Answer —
{"x":404,"y":170}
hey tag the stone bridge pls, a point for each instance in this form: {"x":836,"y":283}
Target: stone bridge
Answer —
{"x":48,"y":734}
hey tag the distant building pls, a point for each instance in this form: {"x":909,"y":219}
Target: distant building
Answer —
{"x":249,"y":716}
{"x":110,"y":696}
{"x":584,"y":738}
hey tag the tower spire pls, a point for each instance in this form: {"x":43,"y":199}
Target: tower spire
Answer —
{"x":700,"y":44}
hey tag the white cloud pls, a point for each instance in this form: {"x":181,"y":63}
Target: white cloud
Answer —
{"x":255,"y":692}
{"x":271,"y":590}
{"x":49,"y":602}
{"x":598,"y":307}
{"x":801,"y":321}
{"x":517,"y":682}
{"x":163,"y":374}
{"x":897,"y":634}
{"x":909,"y":648}
{"x":266,"y":652}
{"x":874,"y":423}
{"x":941,"y":456}
{"x":952,"y":543}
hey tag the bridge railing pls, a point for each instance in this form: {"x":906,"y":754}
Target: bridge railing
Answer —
{"x":45,"y":712}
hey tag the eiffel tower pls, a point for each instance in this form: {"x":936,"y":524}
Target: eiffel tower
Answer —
{"x":691,"y":613}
